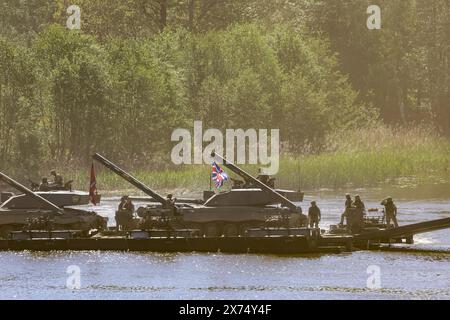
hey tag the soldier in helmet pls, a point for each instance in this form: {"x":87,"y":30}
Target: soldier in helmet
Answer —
{"x":170,"y":200}
{"x":358,"y":214}
{"x":128,"y":206}
{"x":124,"y":214}
{"x":314,"y":215}
{"x":122,"y":202}
{"x":348,"y":208}
{"x":58,"y":180}
{"x":43,"y":186}
{"x":390,"y":210}
{"x":170,"y":204}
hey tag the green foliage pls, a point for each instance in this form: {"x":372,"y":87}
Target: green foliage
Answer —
{"x":20,"y":115}
{"x":378,"y":156}
{"x":78,"y":81}
{"x":402,"y":69}
{"x":137,"y":70}
{"x":148,"y":99}
{"x":368,"y":157}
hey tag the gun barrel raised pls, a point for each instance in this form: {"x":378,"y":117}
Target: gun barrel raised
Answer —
{"x":128,"y":177}
{"x":283,"y":200}
{"x":30,"y":193}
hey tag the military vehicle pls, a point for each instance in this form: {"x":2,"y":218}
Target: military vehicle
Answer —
{"x":45,"y":209}
{"x":59,"y":198}
{"x":62,"y":195}
{"x":228,"y":213}
{"x":246,"y":183}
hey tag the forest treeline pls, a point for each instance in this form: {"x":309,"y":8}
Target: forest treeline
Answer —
{"x":138,"y":69}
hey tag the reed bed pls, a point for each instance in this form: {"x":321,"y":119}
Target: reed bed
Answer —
{"x":360,"y":158}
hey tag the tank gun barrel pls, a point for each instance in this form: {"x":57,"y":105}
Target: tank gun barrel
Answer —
{"x":128,"y":177}
{"x":283,"y":200}
{"x":30,"y":193}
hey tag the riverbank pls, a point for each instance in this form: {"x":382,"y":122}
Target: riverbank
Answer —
{"x":356,"y":159}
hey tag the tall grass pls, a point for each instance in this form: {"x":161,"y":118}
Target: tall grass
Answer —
{"x":368,"y":157}
{"x":365,"y":157}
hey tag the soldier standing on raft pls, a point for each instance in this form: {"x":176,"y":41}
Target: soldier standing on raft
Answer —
{"x":390,"y":210}
{"x":358,"y":216}
{"x":348,"y":208}
{"x":314,"y":215}
{"x":124,"y":214}
{"x":122,"y":202}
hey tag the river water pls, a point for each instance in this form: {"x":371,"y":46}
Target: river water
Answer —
{"x":356,"y":275}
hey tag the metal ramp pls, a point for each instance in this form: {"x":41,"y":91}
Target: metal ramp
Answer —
{"x":405,"y":231}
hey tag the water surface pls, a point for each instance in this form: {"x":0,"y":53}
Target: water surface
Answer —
{"x":128,"y":275}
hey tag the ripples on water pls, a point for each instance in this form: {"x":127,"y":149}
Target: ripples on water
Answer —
{"x":126,"y":275}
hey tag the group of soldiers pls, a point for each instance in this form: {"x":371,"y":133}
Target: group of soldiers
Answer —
{"x":58,"y":182}
{"x":125,"y":211}
{"x":354,"y":213}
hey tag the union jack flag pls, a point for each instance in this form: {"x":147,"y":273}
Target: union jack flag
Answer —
{"x":218,"y":175}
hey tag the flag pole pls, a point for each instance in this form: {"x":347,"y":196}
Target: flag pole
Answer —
{"x":210,"y":179}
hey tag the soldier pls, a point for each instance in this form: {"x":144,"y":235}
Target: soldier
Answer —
{"x":124,"y":214}
{"x":170,"y":204}
{"x":360,"y":207}
{"x":170,"y":200}
{"x":348,"y":208}
{"x":43,"y":186}
{"x":359,"y":204}
{"x":314,"y":215}
{"x":359,"y":212}
{"x":237,"y":184}
{"x":128,"y":206}
{"x":390,"y":210}
{"x":58,"y":180}
{"x":122,"y":202}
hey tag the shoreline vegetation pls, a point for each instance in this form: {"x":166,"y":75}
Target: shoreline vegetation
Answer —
{"x":355,"y":107}
{"x":358,"y":158}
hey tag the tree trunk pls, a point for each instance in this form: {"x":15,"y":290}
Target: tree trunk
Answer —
{"x":163,"y":15}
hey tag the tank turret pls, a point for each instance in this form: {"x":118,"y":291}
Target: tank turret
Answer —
{"x":17,"y":212}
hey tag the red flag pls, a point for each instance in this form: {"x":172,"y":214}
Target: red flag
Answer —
{"x":93,"y":187}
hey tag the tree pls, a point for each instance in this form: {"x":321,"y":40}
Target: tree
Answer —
{"x":19,"y":113}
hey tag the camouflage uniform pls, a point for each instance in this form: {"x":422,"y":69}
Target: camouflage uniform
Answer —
{"x":390,"y":210}
{"x":314,"y":215}
{"x":348,"y":209}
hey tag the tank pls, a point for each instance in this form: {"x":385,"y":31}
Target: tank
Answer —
{"x":59,"y":198}
{"x":62,"y":195}
{"x":228,"y":213}
{"x":45,"y":211}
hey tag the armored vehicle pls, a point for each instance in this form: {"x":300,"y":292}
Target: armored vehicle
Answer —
{"x":37,"y":210}
{"x":58,"y":198}
{"x":246,"y":188}
{"x":229,"y":213}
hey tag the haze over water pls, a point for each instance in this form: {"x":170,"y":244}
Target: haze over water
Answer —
{"x":128,"y":275}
